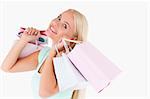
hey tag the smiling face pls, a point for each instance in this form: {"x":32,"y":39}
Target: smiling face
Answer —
{"x":62,"y":26}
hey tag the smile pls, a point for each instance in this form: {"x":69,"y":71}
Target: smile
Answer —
{"x":52,"y":30}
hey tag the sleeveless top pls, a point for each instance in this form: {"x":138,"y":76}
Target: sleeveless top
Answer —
{"x":36,"y":79}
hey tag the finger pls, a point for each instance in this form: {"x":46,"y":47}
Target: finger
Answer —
{"x":60,"y":45}
{"x":32,"y":31}
{"x":29,"y":31}
{"x":38,"y":34}
{"x":72,"y":45}
{"x":35,"y":33}
{"x":63,"y":51}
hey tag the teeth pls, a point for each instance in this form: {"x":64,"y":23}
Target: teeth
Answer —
{"x":53,"y":30}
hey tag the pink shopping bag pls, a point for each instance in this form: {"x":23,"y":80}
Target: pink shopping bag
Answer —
{"x":94,"y":66}
{"x":33,"y":46}
{"x":28,"y":49}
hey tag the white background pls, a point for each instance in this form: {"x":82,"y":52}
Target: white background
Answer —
{"x":117,"y":29}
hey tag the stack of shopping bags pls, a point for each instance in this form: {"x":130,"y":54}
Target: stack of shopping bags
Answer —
{"x":74,"y":69}
{"x":84,"y":63}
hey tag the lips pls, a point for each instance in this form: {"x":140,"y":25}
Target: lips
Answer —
{"x":53,"y":30}
{"x":50,"y":30}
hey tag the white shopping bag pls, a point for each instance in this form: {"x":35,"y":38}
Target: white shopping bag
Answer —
{"x":68,"y":77}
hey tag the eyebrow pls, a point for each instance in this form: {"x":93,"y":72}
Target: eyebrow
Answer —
{"x":60,"y":15}
{"x":65,"y":21}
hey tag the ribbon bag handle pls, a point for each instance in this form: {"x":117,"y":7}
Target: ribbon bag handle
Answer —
{"x":74,"y":41}
{"x":66,"y":46}
{"x":68,"y":40}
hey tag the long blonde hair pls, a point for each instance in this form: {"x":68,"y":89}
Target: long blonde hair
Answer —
{"x":81,"y":25}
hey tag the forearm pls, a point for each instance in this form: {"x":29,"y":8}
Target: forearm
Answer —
{"x":13,"y":55}
{"x":48,"y":82}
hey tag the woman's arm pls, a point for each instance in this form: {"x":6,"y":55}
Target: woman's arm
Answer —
{"x":12,"y":63}
{"x":13,"y":55}
{"x":48,"y":84}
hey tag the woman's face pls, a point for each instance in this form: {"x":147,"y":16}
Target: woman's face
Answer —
{"x":62,"y":26}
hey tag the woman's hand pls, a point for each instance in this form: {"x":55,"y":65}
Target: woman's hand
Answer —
{"x":60,"y":47}
{"x":30,"y":34}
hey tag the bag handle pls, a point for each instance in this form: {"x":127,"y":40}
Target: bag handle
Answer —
{"x":74,"y":41}
{"x":57,"y":50}
{"x":66,"y":46}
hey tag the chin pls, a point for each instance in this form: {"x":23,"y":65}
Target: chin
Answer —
{"x":50,"y":36}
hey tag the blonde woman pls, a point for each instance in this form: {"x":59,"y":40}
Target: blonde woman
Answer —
{"x":70,"y":24}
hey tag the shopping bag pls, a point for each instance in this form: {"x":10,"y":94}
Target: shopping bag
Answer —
{"x":68,"y":77}
{"x":94,"y":66}
{"x":32,"y":46}
{"x":28,"y":49}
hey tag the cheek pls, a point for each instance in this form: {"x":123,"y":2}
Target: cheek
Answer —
{"x":68,"y":34}
{"x":60,"y":35}
{"x":61,"y":32}
{"x":50,"y":35}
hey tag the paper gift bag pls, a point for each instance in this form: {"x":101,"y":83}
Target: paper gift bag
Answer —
{"x":94,"y":66}
{"x":29,"y":49}
{"x":32,"y":46}
{"x":68,"y":77}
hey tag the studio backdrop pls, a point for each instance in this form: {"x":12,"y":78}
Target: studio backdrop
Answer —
{"x":118,"y":30}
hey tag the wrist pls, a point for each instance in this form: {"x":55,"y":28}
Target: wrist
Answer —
{"x":23,"y":41}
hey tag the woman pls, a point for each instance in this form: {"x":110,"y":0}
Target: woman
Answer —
{"x":71,"y":24}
